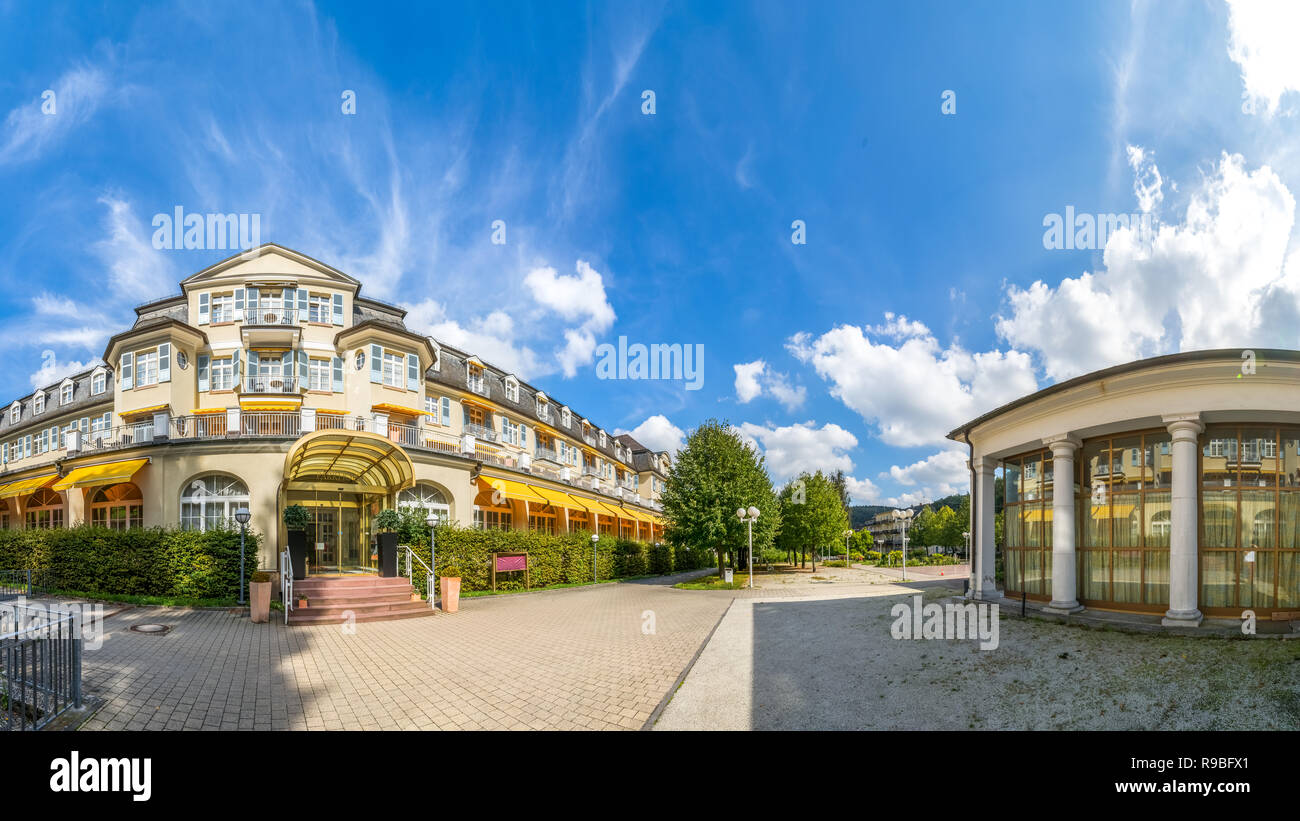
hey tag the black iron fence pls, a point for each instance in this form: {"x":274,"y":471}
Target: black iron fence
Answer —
{"x":40,"y":664}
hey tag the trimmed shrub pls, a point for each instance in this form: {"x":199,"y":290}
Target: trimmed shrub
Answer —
{"x":661,"y":559}
{"x":138,"y":561}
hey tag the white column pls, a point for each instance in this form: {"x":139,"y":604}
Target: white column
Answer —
{"x":1065,"y":596}
{"x":984,"y":568}
{"x":1183,"y":588}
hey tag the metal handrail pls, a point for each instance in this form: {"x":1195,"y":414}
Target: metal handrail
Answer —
{"x":286,"y":582}
{"x":428,"y":575}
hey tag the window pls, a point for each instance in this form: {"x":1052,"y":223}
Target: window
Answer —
{"x":15,"y":412}
{"x":223,"y":307}
{"x":98,"y":383}
{"x":543,"y":410}
{"x":491,"y":519}
{"x":566,"y":418}
{"x":65,"y":394}
{"x":146,"y":368}
{"x":223,"y":374}
{"x":602,"y":438}
{"x":117,"y":506}
{"x":209,"y":502}
{"x":512,"y":390}
{"x":319,"y":375}
{"x":474,"y":377}
{"x":541,"y":523}
{"x":393,"y":365}
{"x":38,"y":402}
{"x":318,"y":308}
{"x":514,"y":433}
{"x":44,"y":510}
{"x":428,"y":498}
{"x":101,"y":422}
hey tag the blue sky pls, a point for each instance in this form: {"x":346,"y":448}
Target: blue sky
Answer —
{"x":923,"y":296}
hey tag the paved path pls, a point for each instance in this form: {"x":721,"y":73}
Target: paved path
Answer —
{"x":565,"y":659}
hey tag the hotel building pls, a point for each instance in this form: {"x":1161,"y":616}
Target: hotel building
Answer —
{"x":269,"y":380}
{"x":1169,"y":485}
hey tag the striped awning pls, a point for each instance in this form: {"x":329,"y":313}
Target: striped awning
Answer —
{"x":354,"y":456}
{"x":141,"y":411}
{"x":269,"y":406}
{"x":109,"y":473}
{"x":207,"y":411}
{"x":387,"y":408}
{"x":510,"y":490}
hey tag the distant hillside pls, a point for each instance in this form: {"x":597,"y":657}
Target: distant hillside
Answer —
{"x":859,"y":515}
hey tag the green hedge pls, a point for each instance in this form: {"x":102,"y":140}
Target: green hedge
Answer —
{"x":560,"y":559}
{"x":139,"y":561}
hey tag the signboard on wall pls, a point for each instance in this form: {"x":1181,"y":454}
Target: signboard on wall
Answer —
{"x":509,"y":563}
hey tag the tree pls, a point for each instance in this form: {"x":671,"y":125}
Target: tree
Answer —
{"x":921,"y":531}
{"x":863,"y":541}
{"x":715,"y":473}
{"x":813,"y":515}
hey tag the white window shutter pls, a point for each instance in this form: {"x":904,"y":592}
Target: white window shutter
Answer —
{"x":202,"y":368}
{"x":204,"y":306}
{"x":126,"y":368}
{"x":412,"y":372}
{"x":338,"y":309}
{"x":239,"y":304}
{"x":302,"y":303}
{"x":251,"y":298}
{"x":446,"y":410}
{"x":338,"y":374}
{"x":165,"y":362}
{"x":234,"y":368}
{"x":302,"y":368}
{"x":376,"y":363}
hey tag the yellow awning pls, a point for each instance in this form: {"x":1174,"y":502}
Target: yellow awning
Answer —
{"x":110,"y":473}
{"x":555,"y":497}
{"x":138,"y":411}
{"x":612,"y":511}
{"x":1035,"y":514}
{"x":206,"y":411}
{"x":387,"y":408}
{"x":28,"y":485}
{"x":268,"y":406}
{"x":511,"y":490}
{"x":1105,"y":512}
{"x":581,"y":503}
{"x":636,"y":514}
{"x":332,"y":411}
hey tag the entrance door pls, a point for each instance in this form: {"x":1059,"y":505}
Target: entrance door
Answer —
{"x":325,"y":539}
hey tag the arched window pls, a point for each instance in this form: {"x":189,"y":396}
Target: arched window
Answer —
{"x":210,"y":501}
{"x":117,"y":506}
{"x":44,"y":510}
{"x":429,"y":498}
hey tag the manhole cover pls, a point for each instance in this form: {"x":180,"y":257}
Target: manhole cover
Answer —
{"x":155,"y":629}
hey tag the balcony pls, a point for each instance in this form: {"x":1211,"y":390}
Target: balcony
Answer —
{"x":478,"y":385}
{"x":589,"y":439}
{"x":591,"y":470}
{"x":549,"y":454}
{"x":481,"y":432}
{"x":269,"y":384}
{"x":270,"y":324}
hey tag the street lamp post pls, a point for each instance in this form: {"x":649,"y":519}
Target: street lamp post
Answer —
{"x":242,"y":516}
{"x":749,"y":517}
{"x":594,"y":539}
{"x":906,"y":516}
{"x":847,"y":534}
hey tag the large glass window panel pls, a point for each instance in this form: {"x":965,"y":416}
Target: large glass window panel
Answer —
{"x":1259,"y":460}
{"x":1157,"y":576}
{"x":1257,"y":516}
{"x":1125,"y":516}
{"x":1126,"y":463}
{"x":1219,"y":518}
{"x":1264,"y":577}
{"x":1047,"y":572}
{"x":1032,"y":516}
{"x":1127,"y":585}
{"x":1014,"y":580}
{"x":1289,"y":461}
{"x":1156,"y":513}
{"x":1096,"y":467}
{"x":1031,"y":479}
{"x":1094,"y":576}
{"x":1218,"y":578}
{"x":1033,"y":563}
{"x":1011,"y":526}
{"x":1011,"y":479}
{"x":1096,"y":523}
{"x":1158,"y":469}
{"x":1048,"y":479}
{"x":1219,"y":458}
{"x":1288,"y":579}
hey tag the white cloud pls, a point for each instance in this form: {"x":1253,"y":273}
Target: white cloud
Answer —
{"x":914,"y":391}
{"x":53,"y":370}
{"x":755,"y":378}
{"x":78,"y":94}
{"x":579,"y":299}
{"x":658,"y":434}
{"x":1262,"y":37}
{"x":794,"y":449}
{"x":940,"y":474}
{"x":1147,"y":182}
{"x":491,"y":337}
{"x":1217,"y":279}
{"x":136,"y":269}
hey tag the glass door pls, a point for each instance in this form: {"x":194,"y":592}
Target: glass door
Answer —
{"x":324,"y":532}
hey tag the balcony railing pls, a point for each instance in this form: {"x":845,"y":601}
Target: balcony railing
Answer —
{"x":478,"y":385}
{"x":590,"y":470}
{"x":481,"y":432}
{"x":263,"y":315}
{"x":543,"y":452}
{"x":122,"y":436}
{"x":590,"y":440}
{"x":270,"y":384}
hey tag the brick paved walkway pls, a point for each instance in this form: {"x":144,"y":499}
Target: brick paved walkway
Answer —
{"x":565,"y":659}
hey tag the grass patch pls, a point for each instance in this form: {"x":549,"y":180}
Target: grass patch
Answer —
{"x":715,"y":582}
{"x":158,"y":601}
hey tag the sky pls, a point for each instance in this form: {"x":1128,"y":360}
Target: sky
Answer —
{"x":849,"y":206}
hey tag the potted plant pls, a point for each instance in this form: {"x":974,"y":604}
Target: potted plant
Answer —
{"x":388,"y":521}
{"x":296,"y":519}
{"x":259,"y":597}
{"x":450,"y":584}
{"x":302,"y":600}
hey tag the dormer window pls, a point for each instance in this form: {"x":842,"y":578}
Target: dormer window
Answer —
{"x":512,"y":389}
{"x":98,"y":382}
{"x":602,"y":438}
{"x":15,"y":412}
{"x":474,"y":378}
{"x":38,"y":402}
{"x":65,"y":393}
{"x":566,"y":418}
{"x":543,"y":409}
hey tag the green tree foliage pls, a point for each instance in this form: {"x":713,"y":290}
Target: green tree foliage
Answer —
{"x":813,"y":516}
{"x":714,"y":474}
{"x":862,"y":541}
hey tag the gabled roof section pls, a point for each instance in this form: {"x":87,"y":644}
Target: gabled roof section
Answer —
{"x":262,"y":251}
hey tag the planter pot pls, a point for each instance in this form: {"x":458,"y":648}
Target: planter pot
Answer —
{"x":450,"y":594}
{"x":259,"y":602}
{"x":300,"y":603}
{"x":298,"y":553}
{"x":415,"y":595}
{"x":387,"y":554}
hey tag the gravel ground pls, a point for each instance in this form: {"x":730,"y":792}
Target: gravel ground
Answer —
{"x":825,"y":661}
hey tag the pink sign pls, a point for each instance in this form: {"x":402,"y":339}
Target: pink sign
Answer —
{"x":506,"y":563}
